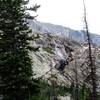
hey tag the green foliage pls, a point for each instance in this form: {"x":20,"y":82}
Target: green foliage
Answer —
{"x":84,"y":93}
{"x":48,"y":49}
{"x":37,"y":36}
{"x":47,"y":90}
{"x":63,"y":90}
{"x":15,"y":64}
{"x":43,"y":91}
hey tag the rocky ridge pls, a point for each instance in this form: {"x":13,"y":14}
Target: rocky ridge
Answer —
{"x":56,"y":51}
{"x":76,"y":35}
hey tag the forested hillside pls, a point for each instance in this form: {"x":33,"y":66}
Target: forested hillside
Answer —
{"x":42,"y":61}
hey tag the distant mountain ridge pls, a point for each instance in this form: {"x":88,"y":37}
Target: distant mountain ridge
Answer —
{"x":76,"y":35}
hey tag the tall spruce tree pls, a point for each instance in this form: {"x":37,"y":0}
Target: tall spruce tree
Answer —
{"x":15,"y":63}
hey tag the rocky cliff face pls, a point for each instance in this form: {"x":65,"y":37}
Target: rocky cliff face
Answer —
{"x":59,"y":56}
{"x":54,"y":52}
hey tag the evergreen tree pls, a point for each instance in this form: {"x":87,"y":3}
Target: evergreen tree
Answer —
{"x":15,"y":63}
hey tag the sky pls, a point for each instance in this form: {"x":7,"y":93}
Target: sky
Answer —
{"x":69,"y":13}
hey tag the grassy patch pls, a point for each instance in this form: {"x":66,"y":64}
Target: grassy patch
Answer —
{"x":48,"y":49}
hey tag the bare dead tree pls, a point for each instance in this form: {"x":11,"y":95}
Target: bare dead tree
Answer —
{"x":91,"y":63}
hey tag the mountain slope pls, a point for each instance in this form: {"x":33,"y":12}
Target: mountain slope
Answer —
{"x":57,"y":51}
{"x":48,"y":28}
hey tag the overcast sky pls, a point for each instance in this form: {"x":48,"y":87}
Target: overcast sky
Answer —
{"x":69,"y":13}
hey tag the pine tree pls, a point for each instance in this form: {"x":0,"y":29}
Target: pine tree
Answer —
{"x":15,"y":63}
